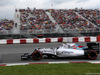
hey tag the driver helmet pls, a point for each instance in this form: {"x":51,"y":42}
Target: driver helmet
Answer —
{"x":64,"y":42}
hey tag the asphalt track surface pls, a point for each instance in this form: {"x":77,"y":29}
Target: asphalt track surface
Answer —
{"x":12,"y":53}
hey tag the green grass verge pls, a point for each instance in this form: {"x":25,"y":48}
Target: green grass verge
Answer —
{"x":51,"y":69}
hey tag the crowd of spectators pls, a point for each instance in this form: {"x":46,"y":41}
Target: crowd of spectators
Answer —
{"x":35,"y":19}
{"x":92,"y":15}
{"x":68,"y":19}
{"x":6,"y":24}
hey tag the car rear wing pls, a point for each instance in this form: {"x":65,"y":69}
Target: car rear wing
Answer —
{"x":93,"y":46}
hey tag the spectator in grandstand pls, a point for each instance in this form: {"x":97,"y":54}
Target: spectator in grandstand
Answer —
{"x":36,"y":19}
{"x":68,"y":19}
{"x":92,"y":15}
{"x":6,"y":24}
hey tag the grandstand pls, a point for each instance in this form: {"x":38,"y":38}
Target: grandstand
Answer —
{"x":51,"y":23}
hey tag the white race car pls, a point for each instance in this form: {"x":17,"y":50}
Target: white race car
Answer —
{"x":66,"y":50}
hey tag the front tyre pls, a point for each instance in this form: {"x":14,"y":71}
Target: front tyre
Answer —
{"x":92,"y":55}
{"x":36,"y":55}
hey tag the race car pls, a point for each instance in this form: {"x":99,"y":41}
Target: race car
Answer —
{"x":66,"y":50}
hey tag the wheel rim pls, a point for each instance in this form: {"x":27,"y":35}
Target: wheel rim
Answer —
{"x":92,"y":55}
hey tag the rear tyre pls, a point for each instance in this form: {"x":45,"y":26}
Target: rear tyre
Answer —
{"x":92,"y":55}
{"x":36,"y":55}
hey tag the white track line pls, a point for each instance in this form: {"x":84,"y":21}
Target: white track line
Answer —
{"x":15,"y":64}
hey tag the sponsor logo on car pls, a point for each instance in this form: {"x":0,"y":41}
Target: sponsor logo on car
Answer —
{"x":67,"y":52}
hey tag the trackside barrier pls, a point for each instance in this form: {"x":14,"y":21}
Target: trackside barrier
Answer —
{"x":82,"y":39}
{"x":51,"y":40}
{"x":34,"y":40}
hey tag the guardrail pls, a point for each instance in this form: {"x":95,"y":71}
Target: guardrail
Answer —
{"x":34,"y":40}
{"x":51,"y":40}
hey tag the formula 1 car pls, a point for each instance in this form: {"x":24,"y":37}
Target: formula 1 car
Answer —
{"x":66,"y":50}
